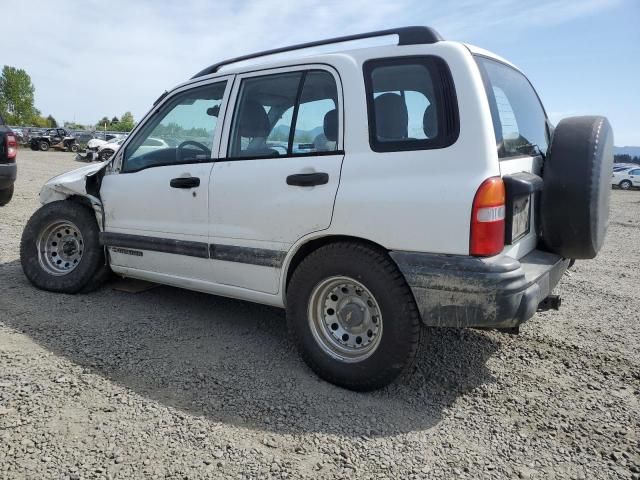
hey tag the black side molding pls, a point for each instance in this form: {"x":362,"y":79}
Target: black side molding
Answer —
{"x":155,"y":244}
{"x":228,"y":253}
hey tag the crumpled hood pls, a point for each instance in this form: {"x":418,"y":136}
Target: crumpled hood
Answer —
{"x":95,"y":142}
{"x":70,"y":183}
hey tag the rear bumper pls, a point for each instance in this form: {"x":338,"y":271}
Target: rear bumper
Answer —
{"x":8,"y":173}
{"x":495,"y":292}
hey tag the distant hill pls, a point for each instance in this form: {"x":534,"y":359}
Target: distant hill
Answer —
{"x":632,"y":151}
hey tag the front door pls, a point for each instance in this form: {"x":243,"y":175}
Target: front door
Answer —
{"x":156,"y":205}
{"x":278,"y":172}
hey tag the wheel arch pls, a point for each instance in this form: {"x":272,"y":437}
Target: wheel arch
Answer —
{"x":305,"y":248}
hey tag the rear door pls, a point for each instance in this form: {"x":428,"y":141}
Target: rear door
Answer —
{"x":278,"y":172}
{"x":522,"y":138}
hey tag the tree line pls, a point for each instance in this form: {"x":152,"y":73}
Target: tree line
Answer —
{"x":17,"y":106}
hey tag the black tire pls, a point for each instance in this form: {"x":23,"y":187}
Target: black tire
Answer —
{"x":43,"y":146}
{"x":74,"y":147}
{"x":574,"y":206}
{"x":90,"y":272}
{"x":625,"y":185}
{"x":34,"y":147}
{"x":6,"y":195}
{"x":105,"y":155}
{"x":400,"y":337}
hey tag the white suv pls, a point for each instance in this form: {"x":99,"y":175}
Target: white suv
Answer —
{"x":367,"y":191}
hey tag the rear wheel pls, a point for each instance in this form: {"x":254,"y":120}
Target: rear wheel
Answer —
{"x":625,"y":185}
{"x":352,"y":316}
{"x":44,"y":146}
{"x":60,"y":250}
{"x":6,"y":195}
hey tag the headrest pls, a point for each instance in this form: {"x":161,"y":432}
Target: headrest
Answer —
{"x":430,"y":122}
{"x":254,"y":122}
{"x":330,"y":125}
{"x":392,"y":118}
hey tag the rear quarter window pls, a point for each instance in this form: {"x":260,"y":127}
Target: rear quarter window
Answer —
{"x":411,"y":104}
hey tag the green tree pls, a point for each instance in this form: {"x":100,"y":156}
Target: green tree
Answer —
{"x":102,"y":122}
{"x":52,"y":121}
{"x":114,"y":120}
{"x":16,"y":96}
{"x":127,"y":122}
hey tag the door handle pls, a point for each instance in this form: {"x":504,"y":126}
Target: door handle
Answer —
{"x":308,"y":179}
{"x":184,"y":182}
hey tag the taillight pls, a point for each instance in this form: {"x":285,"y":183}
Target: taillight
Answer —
{"x":12,"y":146}
{"x":487,"y":219}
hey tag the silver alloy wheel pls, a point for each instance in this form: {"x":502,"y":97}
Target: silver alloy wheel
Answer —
{"x":60,"y":247}
{"x":625,"y":185}
{"x":345,"y":319}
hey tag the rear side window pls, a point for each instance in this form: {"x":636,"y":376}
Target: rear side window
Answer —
{"x":519,"y":120}
{"x":411,"y":104}
{"x":294,"y":113}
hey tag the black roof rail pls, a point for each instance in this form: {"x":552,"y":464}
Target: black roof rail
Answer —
{"x":406,"y":36}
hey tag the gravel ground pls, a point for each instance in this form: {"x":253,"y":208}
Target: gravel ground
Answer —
{"x":176,"y":384}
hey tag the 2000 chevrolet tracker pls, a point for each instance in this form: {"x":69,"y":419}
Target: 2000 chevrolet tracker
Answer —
{"x":367,"y":191}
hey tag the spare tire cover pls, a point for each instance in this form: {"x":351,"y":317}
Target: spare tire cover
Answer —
{"x":574,"y":206}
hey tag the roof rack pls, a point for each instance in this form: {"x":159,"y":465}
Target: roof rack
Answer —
{"x":406,"y":36}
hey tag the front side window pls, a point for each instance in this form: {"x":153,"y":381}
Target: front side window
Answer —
{"x":519,"y":121}
{"x":182,"y":131}
{"x":411,"y":104}
{"x":284,"y":114}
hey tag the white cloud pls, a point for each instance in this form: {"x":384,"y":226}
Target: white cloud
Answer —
{"x":89,"y":59}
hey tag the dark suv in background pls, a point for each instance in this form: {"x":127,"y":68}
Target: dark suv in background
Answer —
{"x":8,"y":154}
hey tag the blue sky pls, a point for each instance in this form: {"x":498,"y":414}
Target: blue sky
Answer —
{"x":89,"y":59}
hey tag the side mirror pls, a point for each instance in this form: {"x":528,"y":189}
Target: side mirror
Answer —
{"x":213,"y":111}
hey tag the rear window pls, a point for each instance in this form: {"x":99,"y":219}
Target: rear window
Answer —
{"x":519,"y":120}
{"x":411,"y":104}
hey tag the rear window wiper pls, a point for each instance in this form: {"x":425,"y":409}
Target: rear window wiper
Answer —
{"x":528,"y":148}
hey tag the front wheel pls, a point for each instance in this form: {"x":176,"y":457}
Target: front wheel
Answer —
{"x":6,"y":195}
{"x":105,"y":155}
{"x":44,"y":146}
{"x":625,"y":185}
{"x":60,"y":249}
{"x":74,"y":147}
{"x":352,"y":316}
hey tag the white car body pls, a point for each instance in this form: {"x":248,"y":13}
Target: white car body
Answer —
{"x":414,"y":202}
{"x":95,"y":143}
{"x":626,"y":178}
{"x":377,"y":187}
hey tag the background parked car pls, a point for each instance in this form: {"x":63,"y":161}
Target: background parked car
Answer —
{"x":626,"y":179}
{"x":618,"y":167}
{"x":57,"y":138}
{"x":8,"y":153}
{"x":106,"y":150}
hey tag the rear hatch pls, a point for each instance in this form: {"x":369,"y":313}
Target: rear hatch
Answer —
{"x":522,"y":137}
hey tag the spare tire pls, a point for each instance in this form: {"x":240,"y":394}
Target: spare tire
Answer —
{"x":574,"y":206}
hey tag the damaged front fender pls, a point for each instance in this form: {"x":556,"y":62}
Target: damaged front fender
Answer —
{"x":83,"y":183}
